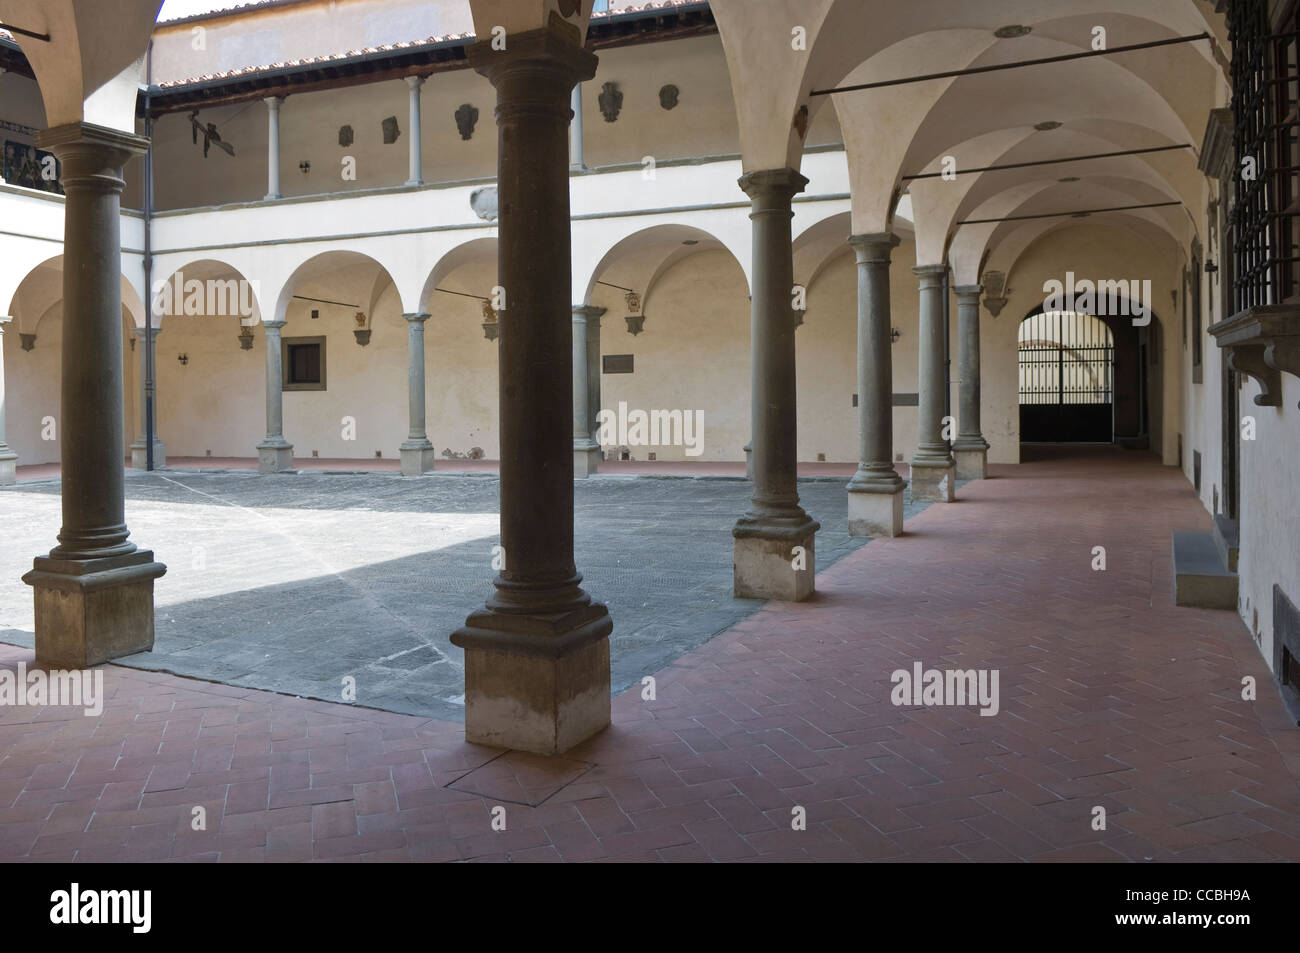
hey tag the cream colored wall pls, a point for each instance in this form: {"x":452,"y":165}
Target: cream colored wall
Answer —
{"x":461,"y":374}
{"x":1270,"y":517}
{"x":367,"y":383}
{"x":32,"y":390}
{"x":827,"y":370}
{"x":33,"y":381}
{"x":215,"y":402}
{"x":692,"y":355}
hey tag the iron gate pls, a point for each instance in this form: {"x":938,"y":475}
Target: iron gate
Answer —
{"x":1067,"y":378}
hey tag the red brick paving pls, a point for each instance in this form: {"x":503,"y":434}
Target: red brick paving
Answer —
{"x":1110,"y":697}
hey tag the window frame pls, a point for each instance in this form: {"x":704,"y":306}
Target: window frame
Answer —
{"x":285,"y":364}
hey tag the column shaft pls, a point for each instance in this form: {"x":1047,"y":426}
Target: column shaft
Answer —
{"x":273,"y":104}
{"x":932,"y":465}
{"x":586,"y":451}
{"x":774,"y":539}
{"x":140,"y":446}
{"x":970,"y":448}
{"x":876,"y":490}
{"x":8,"y":459}
{"x":576,"y":161}
{"x":537,"y":656}
{"x":593,"y":372}
{"x":274,"y":453}
{"x":416,"y":452}
{"x":416,"y":165}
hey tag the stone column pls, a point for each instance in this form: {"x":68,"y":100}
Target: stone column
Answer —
{"x":970,"y":448}
{"x":576,"y":161}
{"x":586,"y":451}
{"x":416,"y":176}
{"x":593,"y":374}
{"x":537,"y":656}
{"x":876,"y":490}
{"x":416,"y":451}
{"x":94,"y":592}
{"x":8,"y":459}
{"x":274,"y":453}
{"x":273,"y":104}
{"x":774,"y":540}
{"x":140,"y":446}
{"x":934,"y":472}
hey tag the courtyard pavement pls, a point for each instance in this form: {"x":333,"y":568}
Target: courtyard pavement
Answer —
{"x":1111,"y":698}
{"x":295,"y":582}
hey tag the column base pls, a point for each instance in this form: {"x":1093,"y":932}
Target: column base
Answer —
{"x":971,"y":464}
{"x":765,"y":561}
{"x":8,"y":466}
{"x":417,"y":457}
{"x":536,"y":683}
{"x":274,"y":458}
{"x":585,"y":460}
{"x":876,"y":513}
{"x":91,"y":611}
{"x":140,"y":456}
{"x":935,"y":484}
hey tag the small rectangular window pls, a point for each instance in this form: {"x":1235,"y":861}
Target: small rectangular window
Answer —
{"x":617,"y":363}
{"x":303,"y":363}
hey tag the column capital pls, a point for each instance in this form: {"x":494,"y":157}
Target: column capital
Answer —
{"x":969,"y":294}
{"x":587,"y":313}
{"x":773,"y":185}
{"x":874,"y":247}
{"x":273,"y":325}
{"x":91,"y":156}
{"x":273,"y":102}
{"x":141,"y":331}
{"x":416,"y":316}
{"x":536,"y":56}
{"x":930,"y":275}
{"x":415,"y":82}
{"x":5,"y":319}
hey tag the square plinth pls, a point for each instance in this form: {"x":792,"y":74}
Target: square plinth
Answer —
{"x":784,"y":569}
{"x":934,"y":484}
{"x":88,"y":612}
{"x":972,"y":464}
{"x":539,"y":685}
{"x":876,"y":514}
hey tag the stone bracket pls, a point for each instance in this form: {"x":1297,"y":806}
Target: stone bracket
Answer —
{"x":1263,"y":342}
{"x":1248,"y":359}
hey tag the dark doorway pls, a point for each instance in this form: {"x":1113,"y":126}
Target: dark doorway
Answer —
{"x":1067,"y":378}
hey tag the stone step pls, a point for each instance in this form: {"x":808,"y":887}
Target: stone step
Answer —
{"x":1201,"y":578}
{"x":1227,"y":539}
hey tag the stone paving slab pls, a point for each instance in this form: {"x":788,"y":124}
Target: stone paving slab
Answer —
{"x":292,"y":582}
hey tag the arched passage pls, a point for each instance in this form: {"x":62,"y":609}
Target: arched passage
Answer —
{"x":461,"y":353}
{"x":208,"y":361}
{"x":343,"y":353}
{"x":33,"y":347}
{"x":1088,"y":372}
{"x":668,"y":292}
